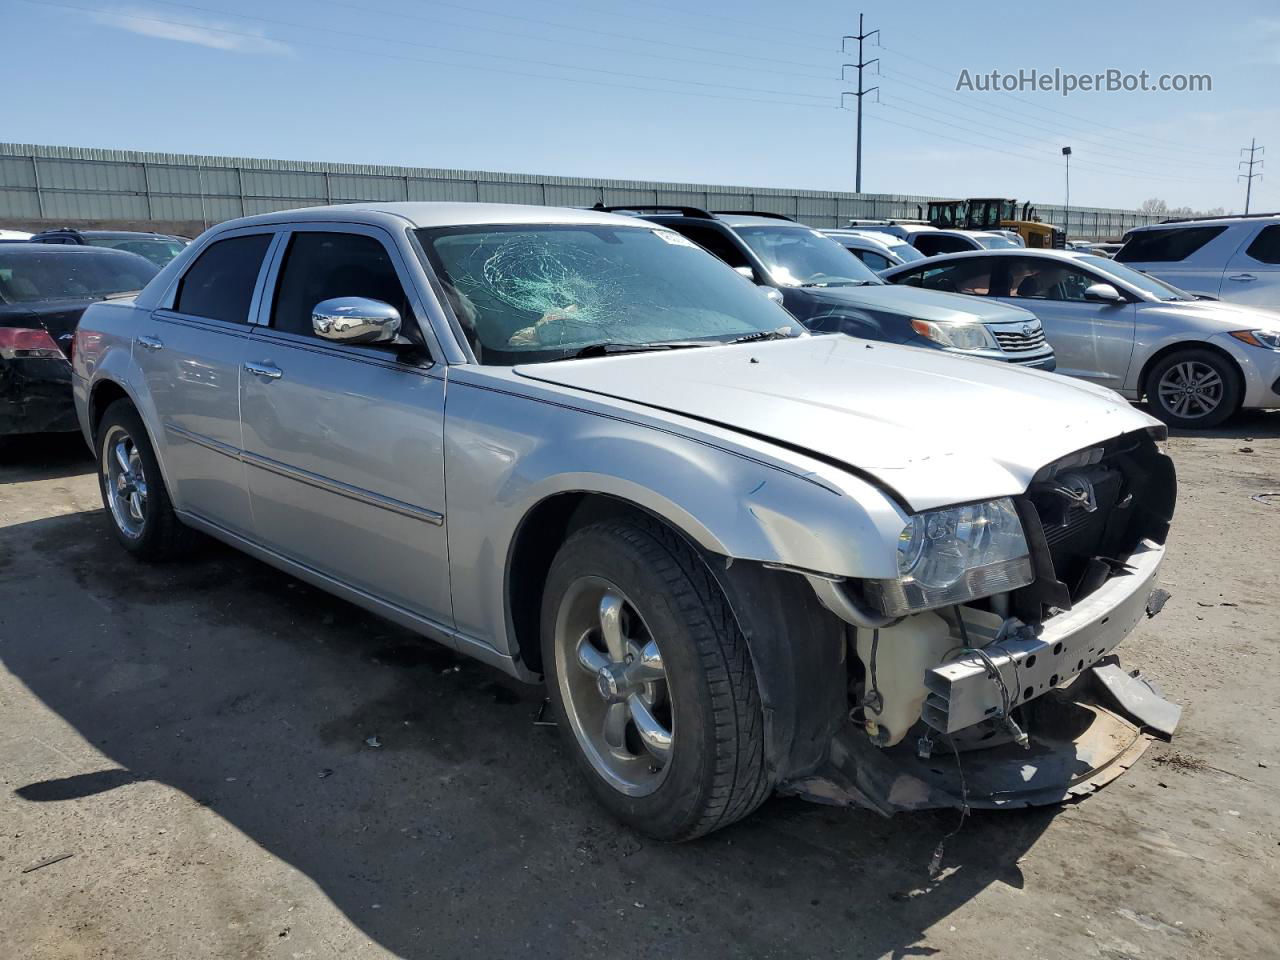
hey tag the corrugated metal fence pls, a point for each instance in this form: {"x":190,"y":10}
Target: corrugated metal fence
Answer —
{"x":69,"y":184}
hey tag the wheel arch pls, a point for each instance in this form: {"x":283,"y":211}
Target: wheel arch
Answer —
{"x":796,"y":646}
{"x":1185,"y":345}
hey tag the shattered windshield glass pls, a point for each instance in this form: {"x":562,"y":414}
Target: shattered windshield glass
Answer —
{"x":525,"y":293}
{"x":799,"y":257}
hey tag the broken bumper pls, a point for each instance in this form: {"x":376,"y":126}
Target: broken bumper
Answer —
{"x":1084,"y":732}
{"x":35,"y":396}
{"x":961,"y":692}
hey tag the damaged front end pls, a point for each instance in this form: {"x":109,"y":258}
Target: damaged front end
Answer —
{"x":1015,"y":697}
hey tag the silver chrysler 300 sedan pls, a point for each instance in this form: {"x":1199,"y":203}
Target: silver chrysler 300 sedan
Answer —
{"x":578,"y":447}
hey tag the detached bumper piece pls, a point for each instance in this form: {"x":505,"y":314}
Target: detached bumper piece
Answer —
{"x":1079,"y":743}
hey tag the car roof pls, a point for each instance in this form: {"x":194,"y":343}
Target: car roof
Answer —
{"x":1042,"y":252}
{"x":60,"y":250}
{"x":1224,"y":221}
{"x":107,"y":234}
{"x":442,"y":213}
{"x":879,"y":239}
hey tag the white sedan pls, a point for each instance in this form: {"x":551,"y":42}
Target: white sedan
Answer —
{"x":1195,"y":360}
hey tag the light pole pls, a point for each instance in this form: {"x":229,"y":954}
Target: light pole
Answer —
{"x":1066,"y":216}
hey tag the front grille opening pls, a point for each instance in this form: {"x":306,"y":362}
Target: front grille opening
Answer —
{"x":1086,"y":513}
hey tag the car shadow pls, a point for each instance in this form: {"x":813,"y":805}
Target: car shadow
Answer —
{"x":1245,"y":425}
{"x":44,"y":456}
{"x":414,"y":787}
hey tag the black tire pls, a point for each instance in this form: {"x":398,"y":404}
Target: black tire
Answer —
{"x":1163,"y":403}
{"x":716,"y":773}
{"x":160,"y":535}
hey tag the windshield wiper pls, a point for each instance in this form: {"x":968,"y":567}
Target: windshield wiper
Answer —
{"x":839,"y":283}
{"x":612,"y":347}
{"x":782,"y":333}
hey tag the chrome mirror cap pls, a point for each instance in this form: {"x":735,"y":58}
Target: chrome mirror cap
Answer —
{"x":355,"y":320}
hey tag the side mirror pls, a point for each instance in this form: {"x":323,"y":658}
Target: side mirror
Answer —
{"x":772,"y":293}
{"x":1103,"y":293}
{"x":355,"y":320}
{"x":745,"y":272}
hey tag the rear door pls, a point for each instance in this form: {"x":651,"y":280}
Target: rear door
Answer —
{"x":1093,"y":341}
{"x":190,"y":353}
{"x":1252,"y":276}
{"x":344,"y":444}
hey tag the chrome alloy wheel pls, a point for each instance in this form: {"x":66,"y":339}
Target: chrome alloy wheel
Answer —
{"x":1191,"y":389}
{"x":614,"y":686}
{"x":124,"y":482}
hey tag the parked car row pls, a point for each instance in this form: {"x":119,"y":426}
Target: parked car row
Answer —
{"x":1196,"y":361}
{"x":744,"y":551}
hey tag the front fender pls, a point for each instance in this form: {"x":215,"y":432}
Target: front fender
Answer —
{"x":506,"y":453}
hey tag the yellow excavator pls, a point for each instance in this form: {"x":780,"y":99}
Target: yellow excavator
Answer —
{"x":994,"y":213}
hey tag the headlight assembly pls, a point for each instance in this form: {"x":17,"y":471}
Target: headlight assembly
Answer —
{"x":953,"y":555}
{"x":957,"y":336}
{"x":1267,"y":339}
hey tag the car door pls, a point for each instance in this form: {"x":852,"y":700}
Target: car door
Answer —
{"x":343,"y":444}
{"x":1093,"y":341}
{"x":190,"y":353}
{"x":1252,"y":276}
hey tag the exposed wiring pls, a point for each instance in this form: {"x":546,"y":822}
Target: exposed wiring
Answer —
{"x":935,"y":862}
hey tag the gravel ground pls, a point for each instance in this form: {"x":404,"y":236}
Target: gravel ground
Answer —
{"x":195,"y":739}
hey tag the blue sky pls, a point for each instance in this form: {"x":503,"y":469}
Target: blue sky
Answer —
{"x":744,"y":92}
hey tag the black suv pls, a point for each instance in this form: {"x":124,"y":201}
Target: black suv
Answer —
{"x":159,"y":248}
{"x":830,"y":290}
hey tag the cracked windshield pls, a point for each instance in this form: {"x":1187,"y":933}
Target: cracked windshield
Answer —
{"x":800,"y":257}
{"x":526,"y":294}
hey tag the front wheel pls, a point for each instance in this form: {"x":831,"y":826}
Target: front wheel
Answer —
{"x":651,"y":679}
{"x":1193,"y":389}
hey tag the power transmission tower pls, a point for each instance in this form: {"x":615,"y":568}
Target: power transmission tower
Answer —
{"x":1253,"y":149}
{"x":861,"y":35}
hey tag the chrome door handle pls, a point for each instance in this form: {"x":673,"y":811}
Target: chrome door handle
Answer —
{"x":267,"y":371}
{"x":1242,"y":277}
{"x":150,"y":343}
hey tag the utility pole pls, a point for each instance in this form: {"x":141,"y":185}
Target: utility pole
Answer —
{"x":1066,"y":214}
{"x":1253,"y":149}
{"x":861,"y":35}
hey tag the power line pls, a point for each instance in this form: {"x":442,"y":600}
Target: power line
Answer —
{"x":1121,"y":154}
{"x":1253,"y":149}
{"x":454,"y":65}
{"x":1001,"y":150}
{"x":1090,"y":122}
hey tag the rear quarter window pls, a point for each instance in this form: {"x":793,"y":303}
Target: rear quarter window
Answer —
{"x":1166,"y":246}
{"x":1266,"y":245}
{"x":219,"y":285}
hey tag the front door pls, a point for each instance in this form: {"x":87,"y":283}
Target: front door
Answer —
{"x":191,"y":354}
{"x":1093,"y":341}
{"x":344,"y":444}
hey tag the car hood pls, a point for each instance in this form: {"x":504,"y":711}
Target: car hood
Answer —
{"x":921,"y":304}
{"x":930,"y":427}
{"x":1215,"y":315}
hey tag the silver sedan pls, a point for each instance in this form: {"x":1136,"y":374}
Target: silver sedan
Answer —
{"x":1195,"y":360}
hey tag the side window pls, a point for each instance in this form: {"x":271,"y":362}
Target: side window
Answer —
{"x":712,"y":240}
{"x":1166,"y":246}
{"x":927,"y":245}
{"x":1266,"y":245}
{"x":970,"y":275}
{"x":219,"y":285}
{"x":320,"y":266}
{"x":1048,"y":280}
{"x":873,"y":260}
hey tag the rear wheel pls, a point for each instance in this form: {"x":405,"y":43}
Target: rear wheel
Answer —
{"x":651,"y":680}
{"x":133,"y":490}
{"x":1193,"y":389}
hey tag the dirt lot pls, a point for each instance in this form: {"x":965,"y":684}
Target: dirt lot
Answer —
{"x":195,"y":738}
